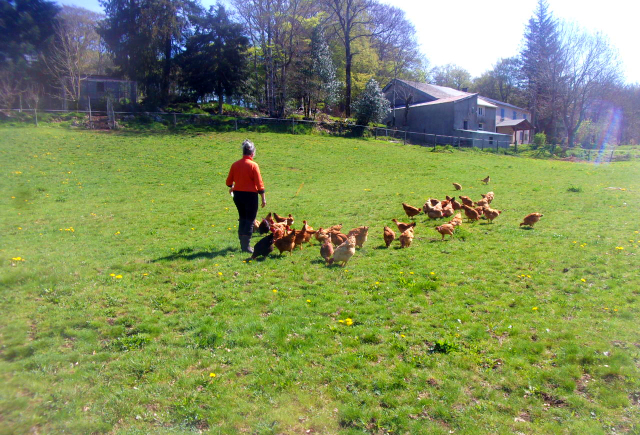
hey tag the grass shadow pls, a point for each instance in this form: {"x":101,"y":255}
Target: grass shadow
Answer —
{"x":191,"y":254}
{"x":526,"y":228}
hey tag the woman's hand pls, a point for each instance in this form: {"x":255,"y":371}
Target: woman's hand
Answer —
{"x":230,"y":190}
{"x":264,"y":203}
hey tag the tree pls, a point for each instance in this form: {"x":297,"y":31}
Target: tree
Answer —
{"x":502,"y":83}
{"x":26,"y":29}
{"x":214,"y":61}
{"x":591,"y":72}
{"x":372,"y":106}
{"x":541,"y":59}
{"x":356,"y":19}
{"x":452,"y":76}
{"x":144,"y":36}
{"x":277,"y":31}
{"x":74,"y":51}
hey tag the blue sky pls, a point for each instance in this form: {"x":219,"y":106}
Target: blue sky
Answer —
{"x":475,"y":34}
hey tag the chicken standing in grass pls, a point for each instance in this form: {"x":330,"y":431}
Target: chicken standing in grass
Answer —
{"x":470,"y":213}
{"x":337,"y":238}
{"x":326,"y":250}
{"x":445,"y":229}
{"x":531,"y":219}
{"x":457,"y":220}
{"x":360,"y":235}
{"x":466,"y":200}
{"x":486,"y":180}
{"x":263,"y":248}
{"x":491,"y":214}
{"x":287,"y":242}
{"x":457,"y":186}
{"x":343,"y":253}
{"x":406,"y":238}
{"x":410,"y":210}
{"x":402,"y":227}
{"x":389,"y":236}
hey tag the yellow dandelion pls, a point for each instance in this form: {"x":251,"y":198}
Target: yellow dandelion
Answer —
{"x":377,"y":282}
{"x":535,"y":308}
{"x":615,"y":309}
{"x":220,"y":273}
{"x":193,"y":229}
{"x":432,"y":273}
{"x":401,"y":273}
{"x":583,"y":280}
{"x":340,"y":321}
{"x":308,"y":300}
{"x":145,"y":274}
{"x":410,"y":273}
{"x":118,"y":276}
{"x":348,"y":321}
{"x":212,"y":375}
{"x":402,"y":335}
{"x":274,"y":290}
{"x":528,"y":276}
{"x":112,"y":274}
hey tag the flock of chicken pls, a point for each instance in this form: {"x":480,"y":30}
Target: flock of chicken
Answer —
{"x":283,"y":237}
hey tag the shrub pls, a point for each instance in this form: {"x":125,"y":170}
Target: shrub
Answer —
{"x":539,"y":141}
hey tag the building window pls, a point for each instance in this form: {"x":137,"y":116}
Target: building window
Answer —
{"x":502,"y":113}
{"x":465,"y":125}
{"x":480,"y":126}
{"x":515,"y":115}
{"x":99,"y":86}
{"x":481,"y":111}
{"x":521,"y":136}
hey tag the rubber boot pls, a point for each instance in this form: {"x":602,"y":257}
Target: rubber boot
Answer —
{"x":245,"y":243}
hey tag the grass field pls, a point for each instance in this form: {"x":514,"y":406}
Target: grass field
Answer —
{"x":127,"y":307}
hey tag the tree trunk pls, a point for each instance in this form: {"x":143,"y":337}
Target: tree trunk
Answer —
{"x":166,"y":71}
{"x":347,"y":100}
{"x":220,"y":101}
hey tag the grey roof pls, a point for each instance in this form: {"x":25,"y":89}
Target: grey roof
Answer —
{"x":440,"y":101}
{"x":434,"y":90}
{"x":502,"y":103}
{"x":515,"y":123}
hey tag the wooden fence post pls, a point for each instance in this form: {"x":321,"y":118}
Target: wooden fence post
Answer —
{"x":90,"y":120}
{"x":236,"y":124}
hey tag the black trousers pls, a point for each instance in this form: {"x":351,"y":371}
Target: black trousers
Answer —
{"x":247,"y":205}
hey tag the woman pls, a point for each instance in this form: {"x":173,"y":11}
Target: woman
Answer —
{"x":245,"y":183}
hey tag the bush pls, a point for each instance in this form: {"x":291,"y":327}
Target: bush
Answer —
{"x":539,"y":141}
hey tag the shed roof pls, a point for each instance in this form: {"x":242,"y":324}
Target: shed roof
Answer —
{"x":521,"y":124}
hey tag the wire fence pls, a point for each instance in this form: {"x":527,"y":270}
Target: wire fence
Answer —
{"x":112,"y":119}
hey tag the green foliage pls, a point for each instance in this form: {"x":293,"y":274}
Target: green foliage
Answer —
{"x":372,"y":106}
{"x":539,"y":140}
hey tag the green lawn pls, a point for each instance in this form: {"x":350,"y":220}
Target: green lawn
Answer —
{"x":131,"y":310}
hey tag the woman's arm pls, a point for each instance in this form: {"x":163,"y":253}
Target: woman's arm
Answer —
{"x":264,"y":200}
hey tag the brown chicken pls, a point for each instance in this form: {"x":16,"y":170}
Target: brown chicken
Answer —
{"x":406,"y":238}
{"x":287,"y":242}
{"x":326,"y":250}
{"x":389,"y":236}
{"x":344,"y":252}
{"x":321,"y":234}
{"x":308,"y":232}
{"x":457,"y":220}
{"x":445,"y":229}
{"x":335,"y":227}
{"x":486,"y":180}
{"x":479,"y":210}
{"x":466,"y":200}
{"x":410,"y":210}
{"x":531,"y":219}
{"x":482,"y":203}
{"x":402,"y":227}
{"x":470,"y":213}
{"x":337,"y":238}
{"x":457,"y":186}
{"x":489,"y":196}
{"x":289,"y":220}
{"x":448,"y":211}
{"x":491,"y":214}
{"x":455,"y":204}
{"x":360,"y":234}
{"x":434,"y":211}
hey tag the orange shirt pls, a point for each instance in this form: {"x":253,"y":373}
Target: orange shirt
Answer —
{"x":244,"y":176}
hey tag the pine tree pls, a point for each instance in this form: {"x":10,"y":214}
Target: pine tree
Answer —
{"x":323,"y":68}
{"x":372,"y":106}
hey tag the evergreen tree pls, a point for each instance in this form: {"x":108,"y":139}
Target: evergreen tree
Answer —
{"x":541,"y":67}
{"x":215,"y":59}
{"x":144,"y":37}
{"x":372,"y":106}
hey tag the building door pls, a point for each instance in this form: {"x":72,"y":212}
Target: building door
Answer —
{"x":465,"y":125}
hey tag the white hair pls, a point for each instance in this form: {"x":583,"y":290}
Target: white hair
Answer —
{"x":248,"y":148}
